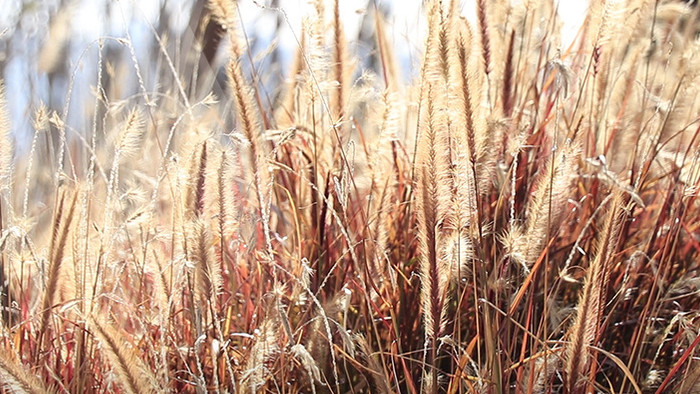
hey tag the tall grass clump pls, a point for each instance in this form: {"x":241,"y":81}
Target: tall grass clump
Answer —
{"x":517,"y":217}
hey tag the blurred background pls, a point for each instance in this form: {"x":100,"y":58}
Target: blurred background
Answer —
{"x":50,"y":49}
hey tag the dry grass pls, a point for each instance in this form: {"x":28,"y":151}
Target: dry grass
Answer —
{"x":517,"y":218}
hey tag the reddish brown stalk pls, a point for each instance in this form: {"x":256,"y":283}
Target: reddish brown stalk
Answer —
{"x":508,"y":80}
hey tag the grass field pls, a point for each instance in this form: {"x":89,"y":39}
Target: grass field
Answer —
{"x":518,"y":217}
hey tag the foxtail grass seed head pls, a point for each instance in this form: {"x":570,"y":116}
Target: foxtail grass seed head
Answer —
{"x":247,"y":196}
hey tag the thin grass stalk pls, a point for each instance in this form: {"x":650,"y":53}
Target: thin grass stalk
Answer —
{"x":6,"y":145}
{"x":133,"y":375}
{"x":432,"y":201}
{"x":386,"y":54}
{"x":208,"y":279}
{"x":6,"y":148}
{"x":484,"y":31}
{"x":248,"y":115}
{"x":546,"y":207}
{"x":61,"y":229}
{"x":340,"y":67}
{"x":253,"y":133}
{"x":468,"y":156}
{"x":17,"y":378}
{"x":590,"y":306}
